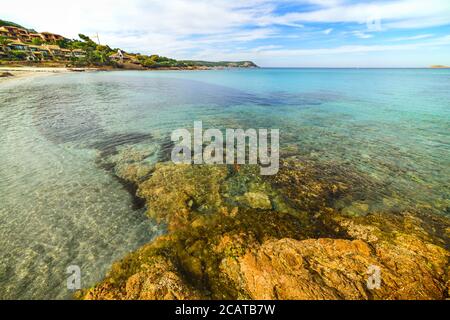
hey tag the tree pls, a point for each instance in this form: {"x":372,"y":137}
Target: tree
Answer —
{"x":84,"y":38}
{"x":88,"y":41}
{"x":149,"y":63}
{"x":18,"y":55}
{"x":101,"y":54}
{"x":64,"y":43}
{"x":103,"y":48}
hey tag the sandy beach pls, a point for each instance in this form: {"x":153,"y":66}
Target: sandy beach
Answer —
{"x":15,"y":73}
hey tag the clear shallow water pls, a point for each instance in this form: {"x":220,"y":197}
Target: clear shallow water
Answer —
{"x":58,"y":207}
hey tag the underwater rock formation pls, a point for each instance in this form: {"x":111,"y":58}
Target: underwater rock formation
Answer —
{"x":232,"y":234}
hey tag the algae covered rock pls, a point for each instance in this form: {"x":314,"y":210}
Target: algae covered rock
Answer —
{"x":177,"y":193}
{"x":233,"y":234}
{"x":196,"y":252}
{"x":257,"y":200}
{"x":158,"y":280}
{"x":356,"y":209}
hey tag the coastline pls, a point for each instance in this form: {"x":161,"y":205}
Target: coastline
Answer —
{"x":35,"y":71}
{"x":16,"y":73}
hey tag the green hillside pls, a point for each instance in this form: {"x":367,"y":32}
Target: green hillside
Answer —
{"x":220,"y":64}
{"x":8,"y":23}
{"x":101,"y":55}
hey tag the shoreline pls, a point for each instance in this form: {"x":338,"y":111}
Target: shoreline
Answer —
{"x":26,"y":72}
{"x":16,"y":73}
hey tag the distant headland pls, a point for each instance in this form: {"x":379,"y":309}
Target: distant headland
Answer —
{"x":439,"y":67}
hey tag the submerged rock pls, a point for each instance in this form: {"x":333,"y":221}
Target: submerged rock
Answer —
{"x":177,"y":194}
{"x":356,"y":209}
{"x":235,"y":235}
{"x":257,"y":200}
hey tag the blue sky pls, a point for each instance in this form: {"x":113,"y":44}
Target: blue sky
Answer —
{"x":296,"y":33}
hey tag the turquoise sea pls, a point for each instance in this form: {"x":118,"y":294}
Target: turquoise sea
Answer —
{"x":60,"y":207}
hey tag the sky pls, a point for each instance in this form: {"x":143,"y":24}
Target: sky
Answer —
{"x":282,"y":33}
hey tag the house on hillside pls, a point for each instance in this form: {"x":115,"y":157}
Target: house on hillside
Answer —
{"x":78,"y":53}
{"x":119,"y":56}
{"x":21,"y":46}
{"x":23,"y":35}
{"x":124,"y":57}
{"x":14,"y":33}
{"x":41,"y":53}
{"x":51,"y":37}
{"x":66,"y":53}
{"x":18,"y":46}
{"x":63,"y":54}
{"x":55,"y":50}
{"x":22,"y":50}
{"x":36,"y":36}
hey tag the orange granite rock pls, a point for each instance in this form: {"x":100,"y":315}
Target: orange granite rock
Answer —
{"x":284,"y":241}
{"x":338,"y":269}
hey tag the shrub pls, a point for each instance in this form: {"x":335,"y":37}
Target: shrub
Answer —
{"x":18,"y":55}
{"x":149,"y":63}
{"x":36,"y":41}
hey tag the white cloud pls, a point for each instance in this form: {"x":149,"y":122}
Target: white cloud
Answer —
{"x":417,"y":37}
{"x":401,"y":12}
{"x":187,"y":28}
{"x":339,"y":50}
{"x":175,"y":17}
{"x":362,"y":35}
{"x":181,"y":17}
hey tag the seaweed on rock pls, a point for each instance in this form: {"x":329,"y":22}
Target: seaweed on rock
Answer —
{"x":232,"y":234}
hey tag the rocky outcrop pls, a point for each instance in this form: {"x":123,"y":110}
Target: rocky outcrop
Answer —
{"x":157,"y":280}
{"x":6,"y":74}
{"x":232,"y":234}
{"x":338,"y":269}
{"x":178,"y":193}
{"x":308,"y":269}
